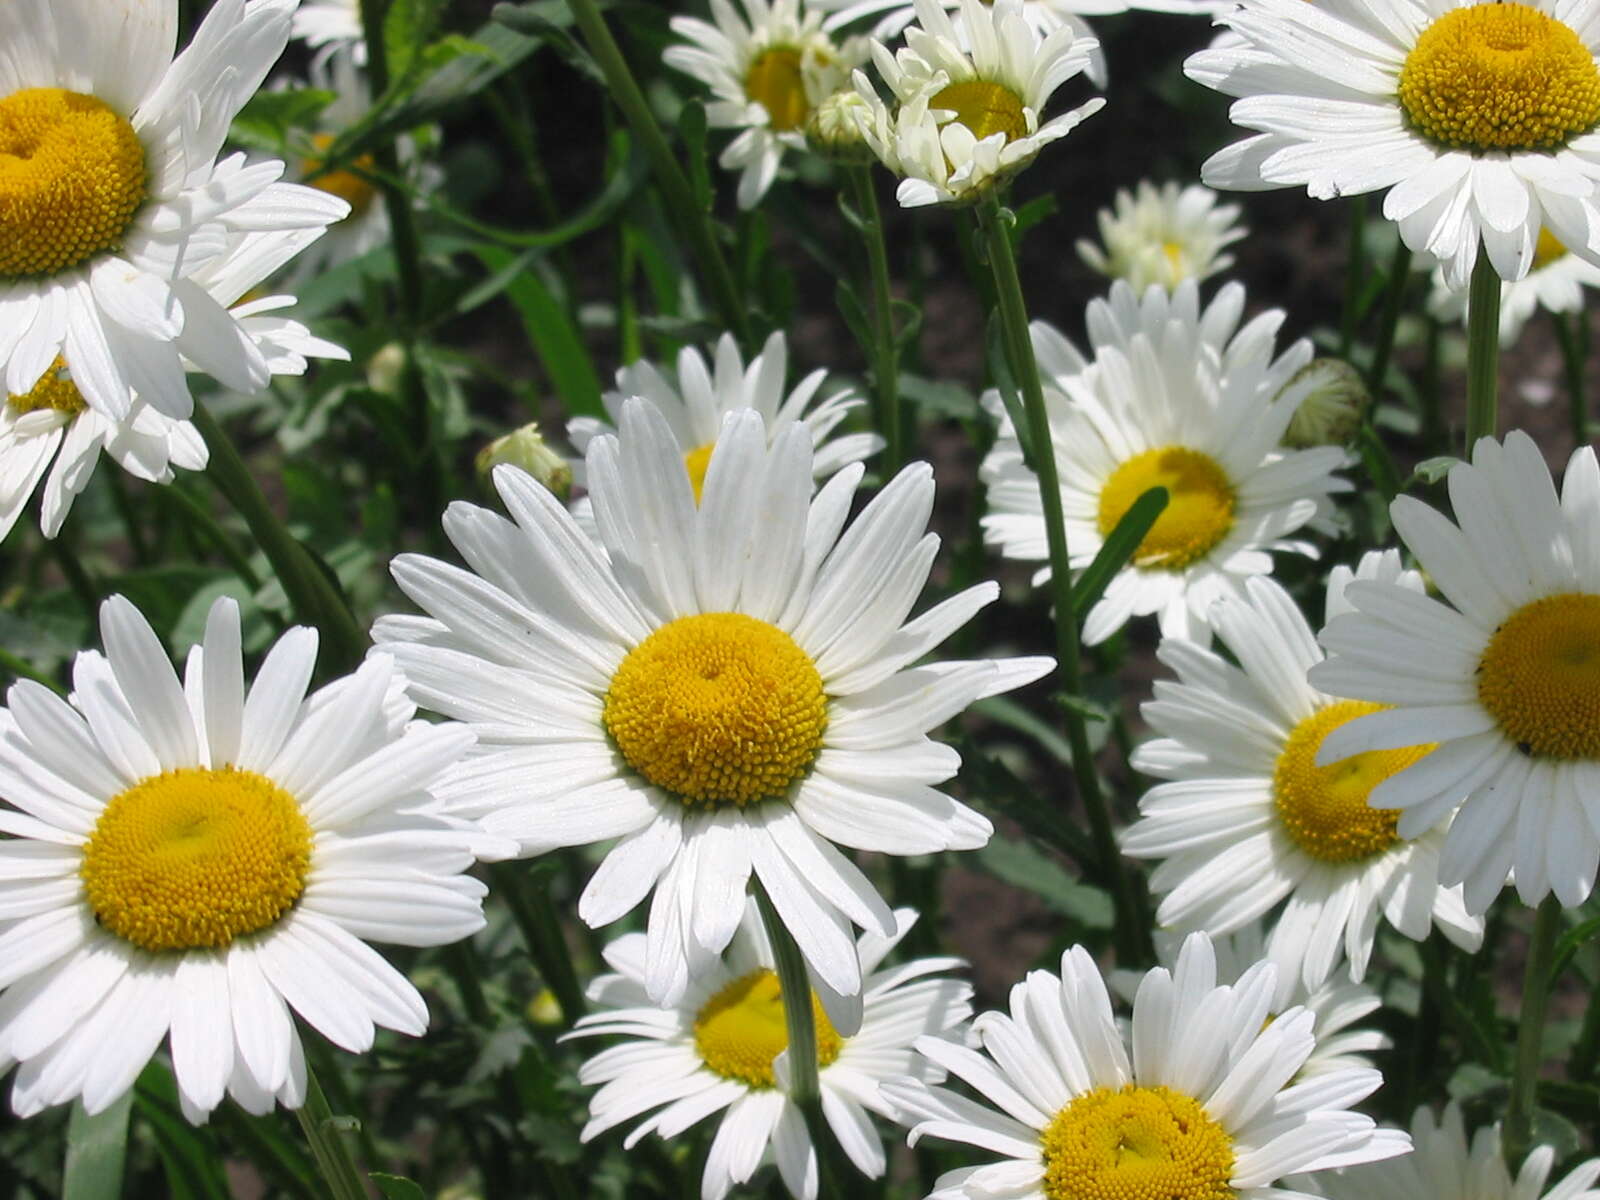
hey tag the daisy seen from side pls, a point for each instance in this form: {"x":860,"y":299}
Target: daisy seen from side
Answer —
{"x":722,"y":1048}
{"x":729,"y":688}
{"x":193,"y":862}
{"x":1501,"y":674}
{"x":1199,"y":1099}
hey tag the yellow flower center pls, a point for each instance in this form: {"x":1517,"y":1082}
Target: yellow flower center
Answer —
{"x":741,"y":1030}
{"x":55,"y":390}
{"x":1539,"y":677}
{"x":195,"y":858}
{"x":1324,"y":810}
{"x":1547,"y":250}
{"x":775,"y":82}
{"x":1199,"y":512}
{"x":718,"y":708}
{"x":697,"y":462}
{"x":1500,"y":76}
{"x":1136,"y":1143}
{"x":71,"y":178}
{"x":985,"y":108}
{"x":354,"y":189}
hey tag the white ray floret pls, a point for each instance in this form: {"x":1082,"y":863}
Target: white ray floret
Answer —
{"x":1555,"y":283}
{"x":1163,"y":235}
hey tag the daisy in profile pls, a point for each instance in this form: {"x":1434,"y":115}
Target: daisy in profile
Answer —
{"x":1501,"y":676}
{"x":718,"y":1050}
{"x":1178,"y":397}
{"x":1249,"y":820}
{"x":1163,"y":235}
{"x":1201,"y":1102}
{"x":698,"y":397}
{"x":726,"y":687}
{"x":768,"y":66}
{"x":191,"y":862}
{"x":1478,"y":120}
{"x":52,"y":424}
{"x":333,"y":29}
{"x":115,"y":200}
{"x":1442,"y":1165}
{"x":1555,"y":283}
{"x":968,"y":105}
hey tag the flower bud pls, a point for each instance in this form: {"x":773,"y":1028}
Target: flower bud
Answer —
{"x":834,"y":128}
{"x":525,"y":448}
{"x":1333,"y":398}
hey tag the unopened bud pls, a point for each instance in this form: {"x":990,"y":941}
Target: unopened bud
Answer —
{"x":525,"y":448}
{"x":386,"y":368}
{"x":1333,"y":401}
{"x":834,"y":130}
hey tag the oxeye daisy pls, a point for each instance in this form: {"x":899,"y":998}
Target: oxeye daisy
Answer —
{"x":194,"y":863}
{"x":1478,"y":118}
{"x":768,"y":66}
{"x":1503,"y":680}
{"x":728,"y":688}
{"x":1202,"y":1102}
{"x":1164,"y":235}
{"x":1555,"y":283}
{"x":1179,"y":397}
{"x":1442,"y":1165}
{"x":1250,"y":820}
{"x":968,"y":106}
{"x":699,"y":396}
{"x":112,"y":198}
{"x":719,"y":1048}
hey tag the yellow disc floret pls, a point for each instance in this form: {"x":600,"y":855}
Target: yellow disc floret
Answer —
{"x":718,"y":708}
{"x":1199,"y":512}
{"x":985,"y":108}
{"x":741,"y":1030}
{"x":1136,"y":1143}
{"x":1500,"y":77}
{"x":55,"y":391}
{"x":776,"y":82}
{"x":195,"y":858}
{"x":1539,"y":677}
{"x":352,"y":185}
{"x":1324,"y":810}
{"x":697,"y":462}
{"x":71,"y":178}
{"x":1547,"y":250}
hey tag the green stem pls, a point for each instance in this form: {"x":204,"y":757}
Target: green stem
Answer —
{"x":1530,"y":1032}
{"x":1483,"y":351}
{"x":1433,"y":439}
{"x":83,"y":587}
{"x":794,"y":986}
{"x":1132,"y":930}
{"x":536,"y":919}
{"x":334,"y":1160}
{"x":204,"y":524}
{"x":310,"y":592}
{"x":885,"y":354}
{"x":693,"y":221}
{"x":1355,"y":274}
{"x":1393,"y":302}
{"x":22,"y":669}
{"x":1573,"y":334}
{"x":1586,"y":1050}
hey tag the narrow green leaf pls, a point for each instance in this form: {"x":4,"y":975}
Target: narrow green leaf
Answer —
{"x":1580,"y":933}
{"x":96,"y":1147}
{"x":408,"y":26}
{"x":1118,"y":548}
{"x":396,"y":1187}
{"x":854,"y":314}
{"x":1029,"y":868}
{"x":1040,"y":815}
{"x":692,"y":127}
{"x":189,"y":1155}
{"x":553,"y":336}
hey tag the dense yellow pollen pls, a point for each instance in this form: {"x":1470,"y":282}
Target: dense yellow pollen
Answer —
{"x":1324,"y":810}
{"x":1547,"y":250}
{"x":985,"y":108}
{"x":1136,"y":1143}
{"x":697,"y":462}
{"x":718,"y":708}
{"x":1539,"y":677}
{"x":1199,"y":510}
{"x":195,"y":858}
{"x":775,"y":81}
{"x":55,"y":390}
{"x":71,"y":178}
{"x":1500,"y":76}
{"x":741,"y":1030}
{"x":354,"y":189}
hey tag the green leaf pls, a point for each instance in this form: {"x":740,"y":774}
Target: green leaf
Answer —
{"x":554,"y":337}
{"x":692,"y":127}
{"x":1029,"y":868}
{"x":1118,"y":549}
{"x":1038,"y":814}
{"x":267,"y":120}
{"x":1431,"y":470}
{"x":408,"y":26}
{"x":1030,"y":214}
{"x":189,"y":1155}
{"x":942,"y":398}
{"x":96,"y":1147}
{"x":854,"y":314}
{"x":397,"y":1187}
{"x":1580,"y":933}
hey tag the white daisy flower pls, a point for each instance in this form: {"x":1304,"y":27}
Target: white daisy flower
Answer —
{"x":333,"y":29}
{"x":722,"y":1048}
{"x":114,"y":201}
{"x":1442,"y":1165}
{"x":1250,"y":821}
{"x":695,"y":402}
{"x":1478,"y":118}
{"x":52,"y":422}
{"x":190,"y":862}
{"x":1205,"y":1102}
{"x":769,"y":67}
{"x":1177,"y":397}
{"x":1554,"y":283}
{"x":1504,"y":679}
{"x":728,"y":687}
{"x":1164,"y":235}
{"x":968,"y":105}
